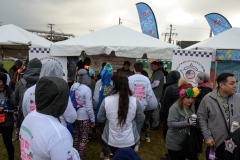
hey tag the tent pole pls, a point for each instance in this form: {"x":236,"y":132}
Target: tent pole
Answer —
{"x":215,"y":74}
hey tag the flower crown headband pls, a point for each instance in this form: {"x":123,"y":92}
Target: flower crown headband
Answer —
{"x":189,"y":92}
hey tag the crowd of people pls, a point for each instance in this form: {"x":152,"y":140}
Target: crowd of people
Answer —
{"x":54,"y":119}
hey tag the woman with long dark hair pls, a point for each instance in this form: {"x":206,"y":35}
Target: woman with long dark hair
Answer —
{"x":120,"y":111}
{"x":6,"y":115}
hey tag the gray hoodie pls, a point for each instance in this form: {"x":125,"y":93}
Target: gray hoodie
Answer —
{"x":50,"y":69}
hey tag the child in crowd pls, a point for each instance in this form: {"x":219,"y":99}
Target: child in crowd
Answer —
{"x":83,"y":96}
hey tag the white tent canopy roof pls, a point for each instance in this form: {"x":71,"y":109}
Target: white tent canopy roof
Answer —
{"x":229,"y":39}
{"x":14,"y":35}
{"x":123,"y":41}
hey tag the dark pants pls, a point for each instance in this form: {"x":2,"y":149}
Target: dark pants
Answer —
{"x":165,"y":129}
{"x":7,"y":139}
{"x":70,"y":84}
{"x":114,"y":149}
{"x":103,"y":144}
{"x":175,"y":155}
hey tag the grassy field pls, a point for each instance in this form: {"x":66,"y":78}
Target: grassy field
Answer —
{"x":148,"y":151}
{"x":8,"y":64}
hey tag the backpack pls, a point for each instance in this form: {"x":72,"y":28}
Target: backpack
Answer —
{"x":73,"y":97}
{"x":22,"y":90}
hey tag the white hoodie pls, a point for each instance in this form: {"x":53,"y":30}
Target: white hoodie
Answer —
{"x":49,"y":69}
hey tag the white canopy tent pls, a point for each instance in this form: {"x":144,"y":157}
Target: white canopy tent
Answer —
{"x":14,"y":40}
{"x":124,"y":42}
{"x":229,"y":39}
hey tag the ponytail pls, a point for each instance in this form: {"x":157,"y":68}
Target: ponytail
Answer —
{"x":122,"y":87}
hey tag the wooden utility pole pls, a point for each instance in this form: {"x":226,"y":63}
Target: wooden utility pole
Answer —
{"x":119,"y":21}
{"x":51,"y":30}
{"x":169,"y":34}
{"x":210,"y":35}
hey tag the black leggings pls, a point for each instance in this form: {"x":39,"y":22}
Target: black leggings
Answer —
{"x":7,"y":139}
{"x":175,"y":155}
{"x":114,"y":149}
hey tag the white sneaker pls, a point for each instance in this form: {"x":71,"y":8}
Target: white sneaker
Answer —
{"x":104,"y":157}
{"x":136,"y":148}
{"x":111,"y":154}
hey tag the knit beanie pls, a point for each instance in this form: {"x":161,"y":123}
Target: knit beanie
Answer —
{"x":51,"y":96}
{"x":18,"y":63}
{"x":83,"y":77}
{"x":108,"y":67}
{"x":3,"y":77}
{"x":126,"y":154}
{"x":186,"y":89}
{"x":183,"y":84}
{"x":34,"y":63}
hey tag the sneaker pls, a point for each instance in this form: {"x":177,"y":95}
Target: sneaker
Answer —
{"x":111,"y":154}
{"x":147,"y":139}
{"x":136,"y":149}
{"x":15,"y":138}
{"x":104,"y":157}
{"x":166,"y":155}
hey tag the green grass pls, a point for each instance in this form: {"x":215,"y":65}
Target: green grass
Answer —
{"x":147,"y":151}
{"x":8,"y":64}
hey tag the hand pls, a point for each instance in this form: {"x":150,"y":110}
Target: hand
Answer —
{"x":1,"y":109}
{"x":93,"y":125}
{"x":237,"y":128}
{"x":210,"y":142}
{"x":192,"y":122}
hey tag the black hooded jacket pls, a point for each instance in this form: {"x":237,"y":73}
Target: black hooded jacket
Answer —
{"x":170,"y":94}
{"x":31,"y":76}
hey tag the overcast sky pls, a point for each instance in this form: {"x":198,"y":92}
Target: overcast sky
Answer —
{"x":79,"y":16}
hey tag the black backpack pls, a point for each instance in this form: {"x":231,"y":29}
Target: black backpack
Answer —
{"x":193,"y":144}
{"x":24,"y":87}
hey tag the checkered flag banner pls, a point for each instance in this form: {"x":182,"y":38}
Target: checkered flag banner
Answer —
{"x":192,"y":53}
{"x":189,"y":63}
{"x":39,"y":50}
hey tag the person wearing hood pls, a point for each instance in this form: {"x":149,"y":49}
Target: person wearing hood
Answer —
{"x":125,"y":69}
{"x":84,"y":107}
{"x":42,"y":136}
{"x":5,"y":71}
{"x":49,"y":69}
{"x":204,"y":87}
{"x":31,"y":77}
{"x":102,"y":89}
{"x":170,"y":96}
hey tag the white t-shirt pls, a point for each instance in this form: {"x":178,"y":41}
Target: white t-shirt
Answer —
{"x":141,"y":89}
{"x":29,"y":105}
{"x":42,"y":137}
